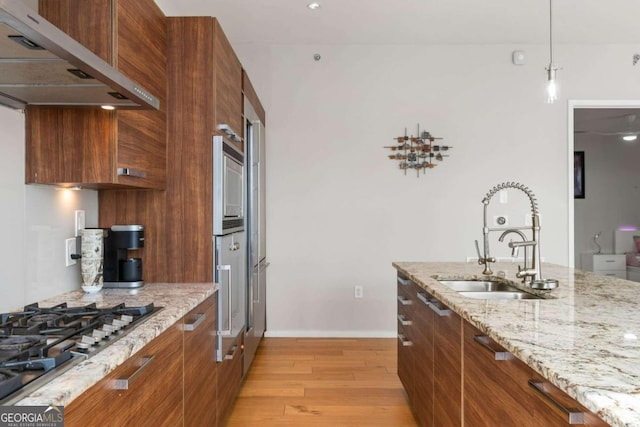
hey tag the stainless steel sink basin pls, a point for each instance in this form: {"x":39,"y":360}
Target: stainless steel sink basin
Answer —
{"x":499,"y":295}
{"x":478,"y":286}
{"x":487,"y":289}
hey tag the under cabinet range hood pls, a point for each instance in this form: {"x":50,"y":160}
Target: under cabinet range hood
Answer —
{"x":42,"y":65}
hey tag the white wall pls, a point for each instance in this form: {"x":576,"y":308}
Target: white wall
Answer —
{"x":612,"y":191}
{"x":34,"y":222}
{"x":339,"y":212}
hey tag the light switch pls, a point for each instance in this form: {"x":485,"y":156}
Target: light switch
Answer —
{"x":504,"y":196}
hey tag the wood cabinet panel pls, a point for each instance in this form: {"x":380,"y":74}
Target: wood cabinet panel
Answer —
{"x":229,"y":381}
{"x":68,"y":145}
{"x":154,"y":396}
{"x":447,"y":374}
{"x":497,"y":390}
{"x":492,"y":388}
{"x":406,"y":345}
{"x":200,"y":365}
{"x":252,"y":96}
{"x":228,"y":80}
{"x":424,"y":362}
{"x":132,"y":37}
{"x":191,"y":128}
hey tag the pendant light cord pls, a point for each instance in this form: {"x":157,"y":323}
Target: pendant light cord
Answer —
{"x":551,"y":31}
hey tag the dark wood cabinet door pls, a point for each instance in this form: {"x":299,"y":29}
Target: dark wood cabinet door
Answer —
{"x":229,"y":381}
{"x":493,"y":393}
{"x":406,"y":345}
{"x":424,"y":359}
{"x":447,"y":374}
{"x":228,"y":84}
{"x":498,"y":389}
{"x":200,"y":365}
{"x":154,"y":394}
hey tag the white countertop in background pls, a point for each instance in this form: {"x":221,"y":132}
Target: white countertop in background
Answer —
{"x":585,"y":340}
{"x":176,"y":298}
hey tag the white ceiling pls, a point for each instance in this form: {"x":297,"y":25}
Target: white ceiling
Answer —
{"x":418,"y":21}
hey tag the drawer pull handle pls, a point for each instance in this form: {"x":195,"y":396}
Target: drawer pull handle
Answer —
{"x":403,"y":300}
{"x":404,"y":282}
{"x":132,"y":173}
{"x":194,"y":325}
{"x":405,"y":342}
{"x":575,"y":416}
{"x":439,"y":311}
{"x":404,"y":321}
{"x":610,"y":260}
{"x":229,"y":356}
{"x":422,"y":297}
{"x":124,"y":383}
{"x":486,"y":342}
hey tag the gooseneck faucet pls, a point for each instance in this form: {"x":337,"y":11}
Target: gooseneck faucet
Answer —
{"x":529,"y":273}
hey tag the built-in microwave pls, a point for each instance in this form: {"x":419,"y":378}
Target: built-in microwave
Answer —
{"x":228,"y":187}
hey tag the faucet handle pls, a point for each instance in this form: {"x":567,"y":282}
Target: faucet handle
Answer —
{"x":480,"y":257}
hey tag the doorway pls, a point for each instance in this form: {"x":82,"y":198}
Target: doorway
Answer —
{"x":598,"y":111}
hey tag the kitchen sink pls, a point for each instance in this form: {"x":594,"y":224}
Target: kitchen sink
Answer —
{"x":499,"y":295}
{"x":487,"y":289}
{"x":478,"y":286}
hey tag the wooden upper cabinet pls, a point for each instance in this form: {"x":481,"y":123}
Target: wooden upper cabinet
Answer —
{"x":252,"y":96}
{"x":228,"y":83}
{"x":92,"y":147}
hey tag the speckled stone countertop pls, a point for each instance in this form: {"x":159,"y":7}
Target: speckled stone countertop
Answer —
{"x":176,"y":298}
{"x":584,"y":338}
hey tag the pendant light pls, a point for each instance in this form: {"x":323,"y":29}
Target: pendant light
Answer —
{"x":552,"y":89}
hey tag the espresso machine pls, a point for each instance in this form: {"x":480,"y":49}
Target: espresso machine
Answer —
{"x":121,"y":270}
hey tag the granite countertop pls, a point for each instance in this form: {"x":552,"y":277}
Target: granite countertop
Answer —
{"x":176,"y":298}
{"x":584,"y":338}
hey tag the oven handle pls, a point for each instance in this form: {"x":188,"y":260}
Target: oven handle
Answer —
{"x":227,"y":267}
{"x":124,"y":383}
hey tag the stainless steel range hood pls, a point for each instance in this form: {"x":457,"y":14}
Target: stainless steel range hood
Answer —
{"x":42,"y":65}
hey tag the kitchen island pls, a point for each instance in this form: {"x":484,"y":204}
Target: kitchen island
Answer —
{"x":177,"y":299}
{"x":582,"y":337}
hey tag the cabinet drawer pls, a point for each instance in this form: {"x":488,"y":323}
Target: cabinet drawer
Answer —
{"x":621,"y":274}
{"x":609,"y":262}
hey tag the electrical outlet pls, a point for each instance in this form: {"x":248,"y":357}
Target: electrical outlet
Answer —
{"x":500,"y":221}
{"x":79,"y":216}
{"x":357,"y":291}
{"x":70,"y":248}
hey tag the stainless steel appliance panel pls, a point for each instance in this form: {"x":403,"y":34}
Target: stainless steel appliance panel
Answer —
{"x":228,"y":187}
{"x":256,"y":264}
{"x":230,"y":274}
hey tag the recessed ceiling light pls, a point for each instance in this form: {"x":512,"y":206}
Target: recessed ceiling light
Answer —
{"x":630,"y":137}
{"x":313,"y":6}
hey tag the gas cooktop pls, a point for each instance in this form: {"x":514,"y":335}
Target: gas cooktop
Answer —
{"x":40,"y":343}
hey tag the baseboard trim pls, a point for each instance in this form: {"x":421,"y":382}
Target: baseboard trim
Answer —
{"x":330,"y":334}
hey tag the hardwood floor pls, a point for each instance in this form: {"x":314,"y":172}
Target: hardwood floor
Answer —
{"x":323,"y":382}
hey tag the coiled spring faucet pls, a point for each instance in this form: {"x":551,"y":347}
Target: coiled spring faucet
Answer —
{"x":532,"y":273}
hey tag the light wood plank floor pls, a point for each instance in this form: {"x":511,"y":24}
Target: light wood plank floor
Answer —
{"x":323,"y":382}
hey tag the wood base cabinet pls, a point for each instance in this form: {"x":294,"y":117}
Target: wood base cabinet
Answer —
{"x":501,"y":389}
{"x":455,"y":375}
{"x":431,"y":367}
{"x":200,"y":367}
{"x":229,"y":381}
{"x":145,"y":390}
{"x":406,"y":328}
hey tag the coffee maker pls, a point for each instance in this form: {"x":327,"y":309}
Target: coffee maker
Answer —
{"x":120,"y":270}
